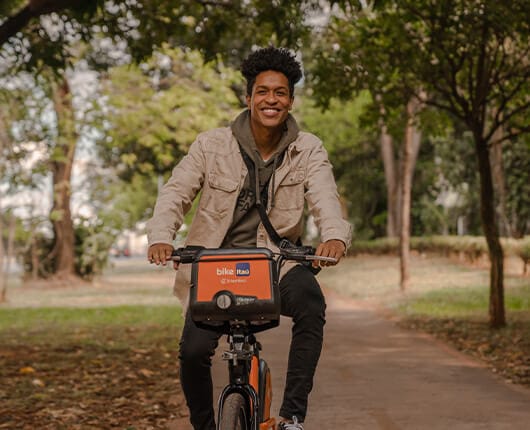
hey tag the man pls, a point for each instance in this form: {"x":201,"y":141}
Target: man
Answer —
{"x":291,"y":168}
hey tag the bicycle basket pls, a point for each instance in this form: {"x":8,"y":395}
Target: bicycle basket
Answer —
{"x":234,"y":284}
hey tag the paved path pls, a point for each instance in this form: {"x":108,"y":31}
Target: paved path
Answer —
{"x":374,"y":375}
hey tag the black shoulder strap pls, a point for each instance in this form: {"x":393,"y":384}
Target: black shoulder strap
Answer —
{"x":273,"y":234}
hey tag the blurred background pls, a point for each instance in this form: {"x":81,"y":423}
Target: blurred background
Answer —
{"x":422,"y":106}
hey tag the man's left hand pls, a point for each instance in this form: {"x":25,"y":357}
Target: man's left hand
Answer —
{"x":332,"y":248}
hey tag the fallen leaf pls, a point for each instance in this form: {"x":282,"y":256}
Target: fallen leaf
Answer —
{"x":38,"y":383}
{"x":146,"y":372}
{"x":26,"y":370}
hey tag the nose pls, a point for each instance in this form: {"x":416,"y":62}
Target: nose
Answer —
{"x":271,"y":97}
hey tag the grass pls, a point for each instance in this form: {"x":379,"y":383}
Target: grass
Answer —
{"x":66,"y":319}
{"x":463,"y":302}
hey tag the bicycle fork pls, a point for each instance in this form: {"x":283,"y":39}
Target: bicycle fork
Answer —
{"x":250,"y":376}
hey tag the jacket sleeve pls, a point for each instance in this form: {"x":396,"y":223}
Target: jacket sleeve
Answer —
{"x":323,"y":199}
{"x":177,"y":195}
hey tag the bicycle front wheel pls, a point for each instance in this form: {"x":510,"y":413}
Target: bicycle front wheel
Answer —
{"x":234,"y":414}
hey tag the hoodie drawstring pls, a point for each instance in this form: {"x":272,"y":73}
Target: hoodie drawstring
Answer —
{"x":274,"y":162}
{"x":257,"y":185}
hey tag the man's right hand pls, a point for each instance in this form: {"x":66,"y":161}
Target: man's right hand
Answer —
{"x":159,"y":253}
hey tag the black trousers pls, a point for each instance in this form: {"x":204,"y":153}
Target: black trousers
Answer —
{"x":303,"y":301}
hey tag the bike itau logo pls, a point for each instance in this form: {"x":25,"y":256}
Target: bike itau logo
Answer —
{"x":242,"y":269}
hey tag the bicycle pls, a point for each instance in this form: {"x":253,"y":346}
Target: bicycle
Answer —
{"x":235,"y":292}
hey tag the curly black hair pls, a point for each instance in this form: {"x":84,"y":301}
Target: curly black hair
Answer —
{"x":271,"y":58}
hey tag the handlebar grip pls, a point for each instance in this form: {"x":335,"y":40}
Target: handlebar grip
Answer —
{"x":304,"y":253}
{"x":321,"y":258}
{"x":186,"y":255}
{"x":299,"y":253}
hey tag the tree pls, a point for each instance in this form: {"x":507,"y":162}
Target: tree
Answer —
{"x":61,"y":164}
{"x":157,"y":110}
{"x":211,"y":26}
{"x":472,"y":59}
{"x":340,"y":71}
{"x":53,"y":35}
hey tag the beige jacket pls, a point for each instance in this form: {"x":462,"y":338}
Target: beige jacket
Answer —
{"x":214,"y":167}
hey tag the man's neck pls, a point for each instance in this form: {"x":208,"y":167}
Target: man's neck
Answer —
{"x":266,"y":140}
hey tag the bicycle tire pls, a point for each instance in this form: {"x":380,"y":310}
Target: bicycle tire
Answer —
{"x":234,"y":413}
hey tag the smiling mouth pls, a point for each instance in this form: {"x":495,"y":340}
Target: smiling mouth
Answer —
{"x":270,"y":111}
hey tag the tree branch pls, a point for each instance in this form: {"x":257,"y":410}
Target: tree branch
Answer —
{"x":508,"y":136}
{"x":33,"y":9}
{"x":15,"y":23}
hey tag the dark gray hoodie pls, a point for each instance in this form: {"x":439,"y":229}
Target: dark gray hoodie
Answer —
{"x":242,"y":232}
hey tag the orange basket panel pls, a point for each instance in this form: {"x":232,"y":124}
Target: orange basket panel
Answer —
{"x":243,"y":275}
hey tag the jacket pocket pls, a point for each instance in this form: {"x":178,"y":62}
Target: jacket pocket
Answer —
{"x":220,"y":194}
{"x":222,"y":183}
{"x":290,"y":193}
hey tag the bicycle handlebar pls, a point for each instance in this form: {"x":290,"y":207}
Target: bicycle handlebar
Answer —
{"x":185,"y":255}
{"x":188,"y":254}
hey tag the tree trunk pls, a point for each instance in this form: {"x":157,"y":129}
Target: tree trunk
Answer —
{"x":389,"y":166}
{"x":35,"y":262}
{"x":499,"y":184}
{"x":410,"y":154}
{"x":497,"y":316}
{"x":9,"y":256}
{"x":3,"y":272}
{"x":3,"y":278}
{"x":61,"y":165}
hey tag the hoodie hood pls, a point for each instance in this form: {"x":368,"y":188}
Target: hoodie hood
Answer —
{"x":243,"y":133}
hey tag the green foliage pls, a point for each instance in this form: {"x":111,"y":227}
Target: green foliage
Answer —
{"x":137,"y":28}
{"x":119,"y":206}
{"x":469,"y":58}
{"x":37,"y":254}
{"x":174,"y":104}
{"x":23,"y":106}
{"x":355,"y":159}
{"x":93,"y":243}
{"x":157,"y":110}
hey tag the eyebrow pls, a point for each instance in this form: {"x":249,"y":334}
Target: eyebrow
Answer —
{"x":281,"y":87}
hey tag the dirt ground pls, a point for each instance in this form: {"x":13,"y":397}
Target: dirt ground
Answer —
{"x":373,"y":374}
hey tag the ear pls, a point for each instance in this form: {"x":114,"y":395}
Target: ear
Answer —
{"x":291,"y":103}
{"x":248,"y":98}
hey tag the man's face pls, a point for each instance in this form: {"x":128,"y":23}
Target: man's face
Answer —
{"x":270,"y":101}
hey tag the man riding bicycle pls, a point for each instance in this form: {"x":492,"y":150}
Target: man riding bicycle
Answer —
{"x":263,"y":158}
